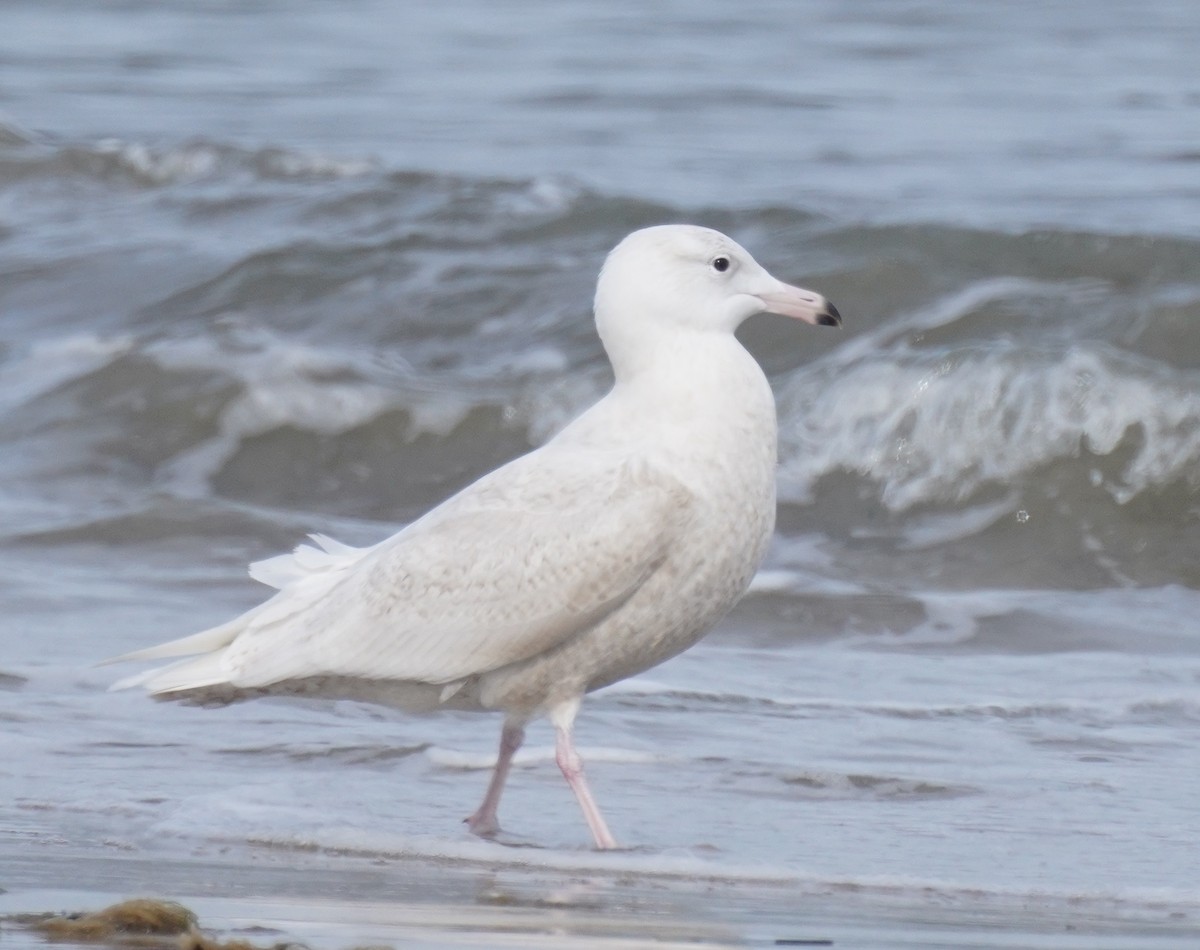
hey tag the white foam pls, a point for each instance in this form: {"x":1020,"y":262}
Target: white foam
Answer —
{"x":938,"y":427}
{"x":551,"y":406}
{"x":542,"y":195}
{"x":1116,"y":903}
{"x":160,"y":166}
{"x":282,"y":383}
{"x":774,"y":581}
{"x":287,"y":163}
{"x":474,"y":851}
{"x":333,"y":390}
{"x":937,"y":528}
{"x":193,"y":161}
{"x":47,"y":364}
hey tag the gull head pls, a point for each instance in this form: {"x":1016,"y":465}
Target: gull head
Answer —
{"x":682,"y":277}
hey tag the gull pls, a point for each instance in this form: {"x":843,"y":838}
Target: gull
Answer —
{"x":614,"y":546}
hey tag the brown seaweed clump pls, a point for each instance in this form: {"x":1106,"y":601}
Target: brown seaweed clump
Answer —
{"x":142,"y":922}
{"x":198,"y":941}
{"x":124,"y":922}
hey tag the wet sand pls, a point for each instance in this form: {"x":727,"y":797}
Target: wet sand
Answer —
{"x":313,"y":898}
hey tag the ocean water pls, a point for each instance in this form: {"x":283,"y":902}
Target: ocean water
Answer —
{"x":277,"y":268}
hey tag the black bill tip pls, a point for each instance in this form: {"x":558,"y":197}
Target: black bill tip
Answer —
{"x":829,"y":317}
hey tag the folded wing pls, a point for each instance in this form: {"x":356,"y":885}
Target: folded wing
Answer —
{"x":513,"y":566}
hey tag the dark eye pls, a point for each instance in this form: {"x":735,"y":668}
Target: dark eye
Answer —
{"x":720,"y":264}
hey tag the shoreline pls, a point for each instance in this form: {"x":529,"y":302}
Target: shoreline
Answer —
{"x":331,"y":901}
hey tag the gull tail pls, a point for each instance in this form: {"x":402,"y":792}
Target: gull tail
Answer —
{"x":196,"y":672}
{"x":207,"y":641}
{"x":190,"y":674}
{"x":301,"y":579}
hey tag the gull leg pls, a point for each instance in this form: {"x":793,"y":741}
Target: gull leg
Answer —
{"x":563,"y":718}
{"x":484,"y":821}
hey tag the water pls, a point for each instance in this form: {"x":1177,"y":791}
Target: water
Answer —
{"x":291,"y":267}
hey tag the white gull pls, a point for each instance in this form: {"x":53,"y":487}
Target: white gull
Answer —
{"x":616,"y":545}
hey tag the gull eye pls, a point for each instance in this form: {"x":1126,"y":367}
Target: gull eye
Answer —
{"x":720,"y":264}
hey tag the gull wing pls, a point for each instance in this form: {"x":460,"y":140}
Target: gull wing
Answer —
{"x":512,"y":566}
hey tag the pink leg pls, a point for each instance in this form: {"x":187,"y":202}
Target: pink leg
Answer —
{"x":571,"y":765}
{"x":484,"y":821}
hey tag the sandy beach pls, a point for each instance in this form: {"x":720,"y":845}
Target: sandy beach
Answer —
{"x":337,"y":902}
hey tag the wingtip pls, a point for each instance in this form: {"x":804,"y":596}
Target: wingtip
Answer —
{"x":183,"y":676}
{"x":148,"y":653}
